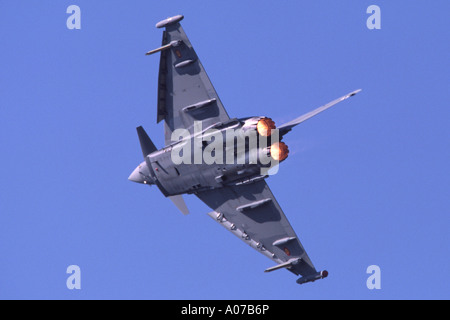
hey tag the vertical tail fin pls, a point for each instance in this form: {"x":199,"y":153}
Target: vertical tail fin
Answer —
{"x":147,"y":145}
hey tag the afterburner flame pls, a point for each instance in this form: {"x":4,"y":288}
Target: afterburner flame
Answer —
{"x":279,"y":151}
{"x":265,"y":127}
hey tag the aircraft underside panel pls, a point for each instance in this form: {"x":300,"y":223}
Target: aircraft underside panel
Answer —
{"x":252,"y":213}
{"x":185,"y":93}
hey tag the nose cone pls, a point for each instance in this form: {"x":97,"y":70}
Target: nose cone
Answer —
{"x":141,"y":175}
{"x":135,"y":176}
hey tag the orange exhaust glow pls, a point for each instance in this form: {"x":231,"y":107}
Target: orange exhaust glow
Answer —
{"x":279,"y":151}
{"x":265,"y":127}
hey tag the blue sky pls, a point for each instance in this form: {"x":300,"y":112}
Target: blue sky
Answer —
{"x":366,"y":183}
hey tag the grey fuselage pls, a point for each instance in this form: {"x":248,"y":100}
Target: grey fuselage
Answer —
{"x":195,"y":174}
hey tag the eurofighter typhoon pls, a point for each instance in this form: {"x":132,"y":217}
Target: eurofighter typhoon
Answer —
{"x":223,"y":161}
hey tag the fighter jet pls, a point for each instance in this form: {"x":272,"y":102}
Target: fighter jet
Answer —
{"x":233,"y":185}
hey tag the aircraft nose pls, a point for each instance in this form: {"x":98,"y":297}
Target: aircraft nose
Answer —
{"x":140,"y":175}
{"x":135,"y":176}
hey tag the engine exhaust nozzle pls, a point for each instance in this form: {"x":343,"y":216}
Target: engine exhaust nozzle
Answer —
{"x":265,"y":127}
{"x":279,"y":151}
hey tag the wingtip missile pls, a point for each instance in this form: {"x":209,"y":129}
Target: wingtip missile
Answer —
{"x":313,"y":277}
{"x":169,"y":21}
